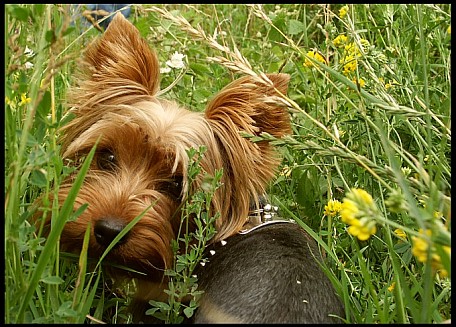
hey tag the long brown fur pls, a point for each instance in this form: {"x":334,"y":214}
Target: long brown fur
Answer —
{"x":115,"y":98}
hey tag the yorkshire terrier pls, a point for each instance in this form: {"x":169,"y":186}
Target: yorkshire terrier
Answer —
{"x":266,"y":274}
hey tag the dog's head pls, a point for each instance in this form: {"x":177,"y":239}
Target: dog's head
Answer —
{"x":141,"y":156}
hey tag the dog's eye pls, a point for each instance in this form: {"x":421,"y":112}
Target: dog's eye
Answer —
{"x":172,"y":187}
{"x":106,"y":160}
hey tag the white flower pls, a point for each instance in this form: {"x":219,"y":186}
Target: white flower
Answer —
{"x":176,"y":60}
{"x":258,"y":34}
{"x":28,"y":52}
{"x":28,"y":65}
{"x":165,"y":70}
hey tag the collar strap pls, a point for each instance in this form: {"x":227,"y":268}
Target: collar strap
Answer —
{"x":265,"y":215}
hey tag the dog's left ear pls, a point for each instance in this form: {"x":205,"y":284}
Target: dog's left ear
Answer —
{"x":248,"y":106}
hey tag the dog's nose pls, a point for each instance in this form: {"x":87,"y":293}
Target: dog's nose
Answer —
{"x":106,"y":229}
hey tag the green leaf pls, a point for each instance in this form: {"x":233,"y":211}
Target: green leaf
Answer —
{"x":295,"y":27}
{"x":180,"y":267}
{"x":50,"y":36}
{"x":65,"y":310}
{"x":52,"y":280}
{"x":44,"y":106}
{"x":189,"y":312}
{"x":200,"y":69}
{"x":38,"y":177}
{"x":160,"y":305}
{"x":20,"y":13}
{"x":68,"y":31}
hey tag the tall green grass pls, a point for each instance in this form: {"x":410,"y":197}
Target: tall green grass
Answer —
{"x":380,"y":124}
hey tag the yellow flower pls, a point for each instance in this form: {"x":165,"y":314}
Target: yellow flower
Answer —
{"x":315,"y":55}
{"x":343,"y":11}
{"x":362,"y":229}
{"x":358,"y":210}
{"x":24,"y":99}
{"x":340,"y":40}
{"x":350,"y":64}
{"x":391,"y":84}
{"x":449,"y":30}
{"x":365,"y":43}
{"x":399,"y":232}
{"x":348,"y":211}
{"x":361,"y":82}
{"x":352,"y":49}
{"x":420,"y":245}
{"x":436,"y":263}
{"x":442,"y":273}
{"x":391,"y":287}
{"x":438,"y":214}
{"x":362,"y":196}
{"x":332,"y":208}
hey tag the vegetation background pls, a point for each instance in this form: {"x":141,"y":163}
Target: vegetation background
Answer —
{"x":367,"y":170}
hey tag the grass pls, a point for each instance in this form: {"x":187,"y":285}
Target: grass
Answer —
{"x":366,"y":171}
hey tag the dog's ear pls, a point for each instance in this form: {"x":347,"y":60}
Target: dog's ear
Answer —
{"x":118,"y":67}
{"x":248,"y":106}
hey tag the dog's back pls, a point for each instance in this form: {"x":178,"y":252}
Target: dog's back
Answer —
{"x":269,"y":275}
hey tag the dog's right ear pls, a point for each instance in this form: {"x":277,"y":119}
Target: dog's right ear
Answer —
{"x":119,"y":67}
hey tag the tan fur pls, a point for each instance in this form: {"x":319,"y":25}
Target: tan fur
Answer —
{"x":115,"y":98}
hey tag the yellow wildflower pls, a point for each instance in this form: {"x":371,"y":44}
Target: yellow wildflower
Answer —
{"x":436,"y":263}
{"x":442,"y":273}
{"x":438,"y":215}
{"x":420,"y":245}
{"x":352,"y":49}
{"x":24,"y":99}
{"x":350,"y":64}
{"x":391,"y":287}
{"x":348,"y":211}
{"x":420,"y":250}
{"x":449,"y":30}
{"x":357,"y":210}
{"x":340,"y":40}
{"x":361,"y":82}
{"x":363,"y":196}
{"x":315,"y":55}
{"x":343,"y":11}
{"x":365,"y":44}
{"x":332,"y":208}
{"x":391,"y":84}
{"x":399,"y":232}
{"x":362,"y":228}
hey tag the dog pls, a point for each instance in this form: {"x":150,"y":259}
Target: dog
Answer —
{"x":266,"y":275}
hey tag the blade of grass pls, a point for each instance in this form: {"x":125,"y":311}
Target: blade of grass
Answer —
{"x":54,"y":235}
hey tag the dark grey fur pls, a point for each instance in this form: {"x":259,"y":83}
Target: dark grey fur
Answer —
{"x":269,"y":275}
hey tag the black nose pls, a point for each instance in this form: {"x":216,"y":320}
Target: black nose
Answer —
{"x":106,"y":229}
